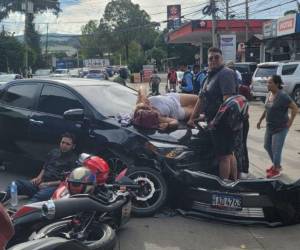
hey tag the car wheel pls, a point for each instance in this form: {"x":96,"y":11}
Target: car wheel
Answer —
{"x":296,"y":96}
{"x":152,"y":193}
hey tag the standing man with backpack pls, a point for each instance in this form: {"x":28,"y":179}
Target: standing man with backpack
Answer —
{"x":154,"y":83}
{"x":187,"y":81}
{"x":198,"y":78}
{"x":172,"y":80}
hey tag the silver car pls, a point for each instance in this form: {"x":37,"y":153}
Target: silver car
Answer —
{"x":289,"y":72}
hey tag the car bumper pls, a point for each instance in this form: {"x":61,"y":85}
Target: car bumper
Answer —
{"x":258,"y":94}
{"x":264,"y":201}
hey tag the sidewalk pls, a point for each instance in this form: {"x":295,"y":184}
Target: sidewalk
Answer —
{"x":259,"y":159}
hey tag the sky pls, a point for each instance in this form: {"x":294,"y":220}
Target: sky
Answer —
{"x":76,"y":13}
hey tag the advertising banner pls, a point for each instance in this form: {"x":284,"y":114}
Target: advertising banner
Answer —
{"x":94,"y":62}
{"x":270,"y":29}
{"x":228,"y":47}
{"x":174,"y":16}
{"x":286,"y":25}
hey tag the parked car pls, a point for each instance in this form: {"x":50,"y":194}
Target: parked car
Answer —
{"x":289,"y":72}
{"x":42,"y":73}
{"x":60,"y":73}
{"x":96,"y":74}
{"x":246,"y":69}
{"x":35,"y":112}
{"x":4,"y":78}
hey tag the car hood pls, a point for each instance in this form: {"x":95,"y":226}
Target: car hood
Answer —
{"x":183,"y":136}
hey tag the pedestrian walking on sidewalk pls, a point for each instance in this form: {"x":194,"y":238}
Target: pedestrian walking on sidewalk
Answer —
{"x":278,"y":122}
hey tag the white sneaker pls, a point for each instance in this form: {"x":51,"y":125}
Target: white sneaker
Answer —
{"x":244,"y":176}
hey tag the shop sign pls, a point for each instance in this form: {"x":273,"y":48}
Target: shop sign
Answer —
{"x":269,"y":29}
{"x":286,"y":25}
{"x":174,"y":16}
{"x":228,"y":47}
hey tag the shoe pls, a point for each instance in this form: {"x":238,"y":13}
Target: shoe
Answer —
{"x":269,"y":169}
{"x":274,"y":173}
{"x":244,"y":176}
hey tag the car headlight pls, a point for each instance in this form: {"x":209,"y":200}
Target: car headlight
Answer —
{"x":166,"y":149}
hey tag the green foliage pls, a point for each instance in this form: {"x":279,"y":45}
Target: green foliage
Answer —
{"x":9,"y":6}
{"x":127,"y":23}
{"x":157,"y":54}
{"x":12,"y":53}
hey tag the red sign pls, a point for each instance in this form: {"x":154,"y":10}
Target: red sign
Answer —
{"x":286,"y":25}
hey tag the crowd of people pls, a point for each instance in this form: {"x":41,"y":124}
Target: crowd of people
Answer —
{"x":202,"y":94}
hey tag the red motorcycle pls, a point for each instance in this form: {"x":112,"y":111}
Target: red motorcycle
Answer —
{"x":29,"y":218}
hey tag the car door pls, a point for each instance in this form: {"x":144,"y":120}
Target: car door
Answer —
{"x":47,"y":121}
{"x":16,"y":103}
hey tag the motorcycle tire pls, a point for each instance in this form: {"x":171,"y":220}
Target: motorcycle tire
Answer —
{"x":106,"y":242}
{"x":153,"y":193}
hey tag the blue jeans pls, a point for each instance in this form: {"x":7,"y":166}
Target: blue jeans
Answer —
{"x":35,"y":194}
{"x":274,"y":144}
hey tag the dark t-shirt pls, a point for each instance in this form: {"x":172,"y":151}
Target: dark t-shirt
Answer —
{"x":218,"y":83}
{"x":57,"y":163}
{"x":277,"y":111}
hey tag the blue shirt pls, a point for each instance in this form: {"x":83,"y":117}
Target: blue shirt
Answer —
{"x":187,"y":81}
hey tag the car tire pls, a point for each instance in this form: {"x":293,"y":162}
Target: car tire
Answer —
{"x":153,"y":193}
{"x":296,"y":96}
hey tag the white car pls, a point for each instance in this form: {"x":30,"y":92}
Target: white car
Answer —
{"x":4,"y":78}
{"x":60,"y":73}
{"x":289,"y":72}
{"x":42,"y":73}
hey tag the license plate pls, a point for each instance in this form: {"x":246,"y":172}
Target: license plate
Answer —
{"x":126,"y":211}
{"x":227,"y":201}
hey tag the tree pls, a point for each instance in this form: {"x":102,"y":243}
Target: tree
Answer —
{"x":95,"y":40}
{"x":157,"y":54}
{"x":12,"y":53}
{"x":127,"y":22}
{"x":9,"y":6}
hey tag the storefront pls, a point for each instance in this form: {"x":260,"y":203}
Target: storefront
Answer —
{"x":281,"y":39}
{"x":198,"y":33}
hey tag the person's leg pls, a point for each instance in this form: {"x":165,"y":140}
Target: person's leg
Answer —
{"x":225,"y":168}
{"x":43,"y":194}
{"x":268,"y":144}
{"x":25,"y":187}
{"x":188,"y":100}
{"x":233,"y":168}
{"x":245,"y":165}
{"x":277,"y":146}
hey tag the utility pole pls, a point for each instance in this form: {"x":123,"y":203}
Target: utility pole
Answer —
{"x":227,"y":15}
{"x":247,"y":21}
{"x":46,"y":49}
{"x":25,"y":38}
{"x":213,"y":14}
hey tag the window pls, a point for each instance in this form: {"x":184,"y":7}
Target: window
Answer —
{"x":56,"y":100}
{"x":266,"y":71}
{"x":242,"y":68}
{"x":21,"y":96}
{"x":289,"y":69}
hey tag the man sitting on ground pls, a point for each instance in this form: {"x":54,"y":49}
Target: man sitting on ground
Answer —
{"x":60,"y":160}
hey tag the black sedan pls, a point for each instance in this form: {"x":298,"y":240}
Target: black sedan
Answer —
{"x":35,"y":112}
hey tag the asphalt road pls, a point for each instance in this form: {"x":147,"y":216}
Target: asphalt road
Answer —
{"x":178,"y":233}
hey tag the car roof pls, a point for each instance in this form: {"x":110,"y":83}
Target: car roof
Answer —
{"x":72,"y":82}
{"x":245,"y":63}
{"x":278,"y":63}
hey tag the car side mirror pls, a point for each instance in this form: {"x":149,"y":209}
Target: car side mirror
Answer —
{"x":74,"y":114}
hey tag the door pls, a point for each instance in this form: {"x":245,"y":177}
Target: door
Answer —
{"x":47,"y":121}
{"x":16,"y":103}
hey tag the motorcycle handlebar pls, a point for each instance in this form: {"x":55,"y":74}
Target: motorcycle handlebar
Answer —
{"x":66,"y":207}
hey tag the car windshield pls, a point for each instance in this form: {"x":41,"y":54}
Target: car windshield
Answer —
{"x":266,"y":71}
{"x":109,"y":99}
